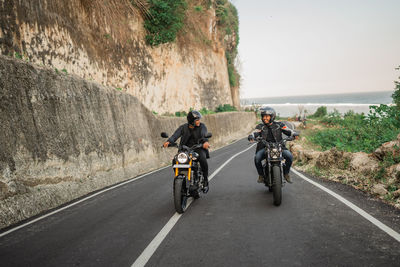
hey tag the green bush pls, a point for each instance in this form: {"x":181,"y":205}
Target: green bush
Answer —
{"x":164,"y":21}
{"x":205,"y":111}
{"x":228,"y":20}
{"x":198,"y":8}
{"x":180,"y":114}
{"x":358,"y":132}
{"x":225,"y":108}
{"x":396,"y":94}
{"x":320,"y":112}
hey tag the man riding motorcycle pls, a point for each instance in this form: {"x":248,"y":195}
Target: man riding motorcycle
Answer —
{"x":192,"y":133}
{"x":271,"y":130}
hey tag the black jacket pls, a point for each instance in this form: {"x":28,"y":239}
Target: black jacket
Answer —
{"x":184,"y":133}
{"x":277,"y":128}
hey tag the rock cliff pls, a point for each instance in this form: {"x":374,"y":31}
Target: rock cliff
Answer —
{"x":62,"y":137}
{"x":104,"y":41}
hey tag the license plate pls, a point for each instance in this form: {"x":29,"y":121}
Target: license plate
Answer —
{"x":181,"y":166}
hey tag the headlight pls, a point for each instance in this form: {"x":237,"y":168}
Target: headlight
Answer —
{"x":182,"y":158}
{"x":274,"y":153}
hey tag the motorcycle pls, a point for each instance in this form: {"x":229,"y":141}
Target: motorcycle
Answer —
{"x":189,"y":179}
{"x":273,"y":167}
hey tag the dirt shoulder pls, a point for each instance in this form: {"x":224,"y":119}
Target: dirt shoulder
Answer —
{"x":369,"y":173}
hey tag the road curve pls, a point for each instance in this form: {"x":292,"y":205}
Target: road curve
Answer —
{"x":235,"y":224}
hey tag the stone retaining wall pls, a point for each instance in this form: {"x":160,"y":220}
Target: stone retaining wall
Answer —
{"x":62,"y":137}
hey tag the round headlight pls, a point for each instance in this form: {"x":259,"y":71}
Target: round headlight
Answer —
{"x":182,"y":158}
{"x":275,"y":153}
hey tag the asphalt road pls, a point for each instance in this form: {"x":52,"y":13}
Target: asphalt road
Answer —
{"x":235,"y":224}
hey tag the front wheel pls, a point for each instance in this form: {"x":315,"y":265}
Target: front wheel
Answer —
{"x":180,"y":198}
{"x":277,"y":185}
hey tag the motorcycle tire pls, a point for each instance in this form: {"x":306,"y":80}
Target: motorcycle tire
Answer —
{"x":180,"y":198}
{"x":277,"y":185}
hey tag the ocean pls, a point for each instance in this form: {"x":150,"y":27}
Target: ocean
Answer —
{"x":294,"y":105}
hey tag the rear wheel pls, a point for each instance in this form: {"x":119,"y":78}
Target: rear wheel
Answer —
{"x":180,"y":198}
{"x":277,"y":185}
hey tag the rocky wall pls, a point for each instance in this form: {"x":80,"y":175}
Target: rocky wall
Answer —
{"x":62,"y":137}
{"x":103,"y":41}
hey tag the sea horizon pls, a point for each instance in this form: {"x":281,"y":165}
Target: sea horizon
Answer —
{"x":294,"y":105}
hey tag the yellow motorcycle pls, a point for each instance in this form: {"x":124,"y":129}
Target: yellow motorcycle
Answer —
{"x":189,"y":179}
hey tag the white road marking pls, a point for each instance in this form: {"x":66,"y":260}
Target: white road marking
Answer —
{"x":363,"y":213}
{"x":86,"y":198}
{"x":155,"y":243}
{"x":79,"y":201}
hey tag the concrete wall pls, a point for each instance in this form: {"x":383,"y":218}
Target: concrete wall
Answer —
{"x":62,"y":137}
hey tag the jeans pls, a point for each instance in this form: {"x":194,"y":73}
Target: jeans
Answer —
{"x":203,"y":162}
{"x":260,"y":155}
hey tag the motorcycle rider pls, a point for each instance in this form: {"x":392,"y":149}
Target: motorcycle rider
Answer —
{"x":191,"y":133}
{"x":271,"y":130}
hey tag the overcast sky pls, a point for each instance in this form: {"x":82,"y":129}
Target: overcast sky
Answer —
{"x":302,"y":47}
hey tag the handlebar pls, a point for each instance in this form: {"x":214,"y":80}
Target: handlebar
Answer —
{"x":185,"y":147}
{"x":260,"y":139}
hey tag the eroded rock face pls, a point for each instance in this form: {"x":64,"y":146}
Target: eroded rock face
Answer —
{"x":105,"y":43}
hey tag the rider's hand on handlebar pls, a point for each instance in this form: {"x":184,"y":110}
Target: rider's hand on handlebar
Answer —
{"x":165,"y":145}
{"x":206,"y":145}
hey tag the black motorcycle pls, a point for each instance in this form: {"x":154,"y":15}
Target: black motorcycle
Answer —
{"x":189,"y":179}
{"x":273,"y":167}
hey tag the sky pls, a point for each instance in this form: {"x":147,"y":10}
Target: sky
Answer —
{"x":307,"y":47}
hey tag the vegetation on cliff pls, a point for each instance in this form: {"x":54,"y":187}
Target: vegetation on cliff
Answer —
{"x":166,"y":19}
{"x":228,"y":20}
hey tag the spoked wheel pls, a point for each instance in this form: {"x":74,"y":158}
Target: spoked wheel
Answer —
{"x":180,"y":198}
{"x":277,"y":185}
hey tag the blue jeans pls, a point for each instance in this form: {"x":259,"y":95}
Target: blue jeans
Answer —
{"x":260,"y":155}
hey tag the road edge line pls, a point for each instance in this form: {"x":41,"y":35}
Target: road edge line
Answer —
{"x":360,"y":211}
{"x":93,"y":195}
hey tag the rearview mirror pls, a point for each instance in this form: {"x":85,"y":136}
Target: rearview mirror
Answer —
{"x":164,"y":135}
{"x":208,"y":135}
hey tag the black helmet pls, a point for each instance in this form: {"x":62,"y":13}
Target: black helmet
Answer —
{"x":268,"y":111}
{"x":192,"y":116}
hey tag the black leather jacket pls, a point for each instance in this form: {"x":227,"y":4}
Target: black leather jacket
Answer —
{"x":276,"y":127}
{"x":184,"y":133}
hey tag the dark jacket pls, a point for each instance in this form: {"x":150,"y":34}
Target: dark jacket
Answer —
{"x":277,"y":128}
{"x":184,"y":133}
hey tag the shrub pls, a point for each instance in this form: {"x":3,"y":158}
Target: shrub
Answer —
{"x":228,"y":20}
{"x":396,"y":94}
{"x":225,"y":108}
{"x":320,"y":112}
{"x":198,"y":8}
{"x":180,"y":114}
{"x":205,"y":111}
{"x":164,"y":21}
{"x":357,"y":132}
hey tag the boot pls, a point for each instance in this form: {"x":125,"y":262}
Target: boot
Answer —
{"x":260,"y":179}
{"x":287,"y":178}
{"x":205,"y":188}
